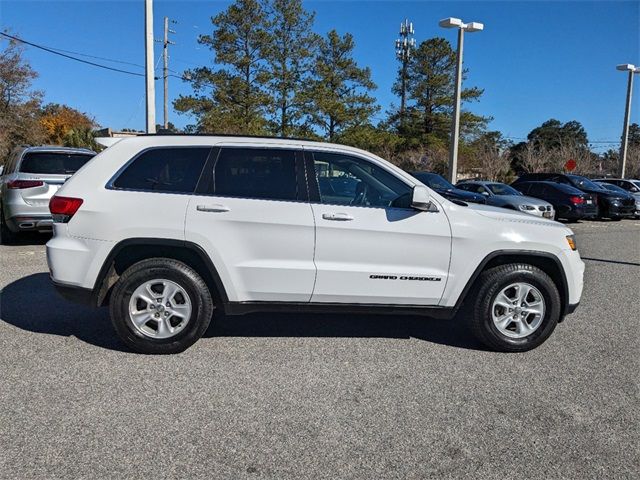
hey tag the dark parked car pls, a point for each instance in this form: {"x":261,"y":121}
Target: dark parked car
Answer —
{"x":612,"y":205}
{"x":630,"y":186}
{"x":444,"y":188}
{"x":569,"y":203}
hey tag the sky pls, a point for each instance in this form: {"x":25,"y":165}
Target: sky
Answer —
{"x":535,"y":60}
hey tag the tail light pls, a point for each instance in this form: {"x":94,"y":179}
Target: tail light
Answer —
{"x":19,"y":184}
{"x":576,"y":200}
{"x":63,"y":208}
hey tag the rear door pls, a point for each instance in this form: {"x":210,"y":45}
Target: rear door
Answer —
{"x":368,"y":251}
{"x":252,"y":216}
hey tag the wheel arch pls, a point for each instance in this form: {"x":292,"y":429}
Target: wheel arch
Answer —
{"x":130,"y":251}
{"x":545,"y":261}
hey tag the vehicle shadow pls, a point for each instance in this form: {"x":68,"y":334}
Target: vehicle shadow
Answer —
{"x":32,"y":304}
{"x":29,"y":238}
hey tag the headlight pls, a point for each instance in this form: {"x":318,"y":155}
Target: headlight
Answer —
{"x":571,"y":240}
{"x":527,"y":207}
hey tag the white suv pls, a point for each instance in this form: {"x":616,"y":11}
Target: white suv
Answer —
{"x":165,"y":229}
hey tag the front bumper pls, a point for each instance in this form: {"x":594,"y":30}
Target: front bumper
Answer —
{"x":621,"y":211}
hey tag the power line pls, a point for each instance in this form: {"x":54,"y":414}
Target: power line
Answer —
{"x":46,"y":49}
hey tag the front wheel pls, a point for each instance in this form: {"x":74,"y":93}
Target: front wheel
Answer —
{"x":160,"y":306}
{"x":516,"y":307}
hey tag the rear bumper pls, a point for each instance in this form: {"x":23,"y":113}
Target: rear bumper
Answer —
{"x":75,"y":294}
{"x":26,"y":223}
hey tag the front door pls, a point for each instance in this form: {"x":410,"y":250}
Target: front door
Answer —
{"x":368,"y":249}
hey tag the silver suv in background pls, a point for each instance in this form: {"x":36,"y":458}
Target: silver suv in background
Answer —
{"x":501,"y":195}
{"x":31,"y":176}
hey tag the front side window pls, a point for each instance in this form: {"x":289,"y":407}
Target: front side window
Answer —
{"x":268,"y":174}
{"x":346,"y":180}
{"x":53,"y":163}
{"x":168,"y":170}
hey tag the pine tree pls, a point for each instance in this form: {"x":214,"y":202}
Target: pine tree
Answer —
{"x":339,"y":89}
{"x":289,"y":57}
{"x":233,"y":98}
{"x":430,"y":88}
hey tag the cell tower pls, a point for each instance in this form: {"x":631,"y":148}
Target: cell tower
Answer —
{"x":404,"y":46}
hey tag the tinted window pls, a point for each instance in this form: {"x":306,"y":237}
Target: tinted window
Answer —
{"x":583,"y":182}
{"x":502,"y":189}
{"x":172,"y":170}
{"x":568,"y":189}
{"x":256,"y":173}
{"x":433,"y":180}
{"x":346,"y":180}
{"x":53,"y":163}
{"x":470,"y":187}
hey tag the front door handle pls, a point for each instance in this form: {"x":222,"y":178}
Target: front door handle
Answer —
{"x":340,"y":217}
{"x":213,"y":208}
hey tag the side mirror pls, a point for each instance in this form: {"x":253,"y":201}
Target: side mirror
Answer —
{"x":633,"y":189}
{"x":421,"y":199}
{"x":485,"y":193}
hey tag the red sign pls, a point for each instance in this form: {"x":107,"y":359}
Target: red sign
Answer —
{"x":571,"y":165}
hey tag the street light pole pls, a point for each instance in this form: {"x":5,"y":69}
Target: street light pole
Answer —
{"x":455,"y":123}
{"x":627,"y":114}
{"x":455,"y":127}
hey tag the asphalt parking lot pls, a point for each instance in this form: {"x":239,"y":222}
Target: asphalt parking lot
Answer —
{"x":285,"y":396}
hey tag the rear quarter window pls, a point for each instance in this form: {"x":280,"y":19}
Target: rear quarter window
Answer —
{"x":53,"y":163}
{"x":169,"y":170}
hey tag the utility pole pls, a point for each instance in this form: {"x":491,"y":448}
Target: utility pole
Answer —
{"x":149,"y":70}
{"x":165,"y":72}
{"x":632,"y":69}
{"x":404,"y":45}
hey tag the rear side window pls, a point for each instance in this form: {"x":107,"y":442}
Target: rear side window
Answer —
{"x":169,"y":170}
{"x":53,"y":163}
{"x":256,"y":173}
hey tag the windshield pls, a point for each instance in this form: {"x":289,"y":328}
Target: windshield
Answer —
{"x":502,"y":189}
{"x":54,"y":163}
{"x":433,"y":180}
{"x":613,"y":188}
{"x":583,"y":182}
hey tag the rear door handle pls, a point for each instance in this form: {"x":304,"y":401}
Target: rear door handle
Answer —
{"x":340,"y":217}
{"x":213,"y":208}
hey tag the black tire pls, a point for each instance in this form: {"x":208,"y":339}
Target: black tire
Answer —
{"x":7,"y":237}
{"x":175,"y":271}
{"x":490,"y":284}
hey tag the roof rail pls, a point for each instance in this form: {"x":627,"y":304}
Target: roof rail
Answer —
{"x":230,"y":135}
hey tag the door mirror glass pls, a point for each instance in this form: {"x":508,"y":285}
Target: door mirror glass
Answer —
{"x":421,"y":199}
{"x":485,"y":193}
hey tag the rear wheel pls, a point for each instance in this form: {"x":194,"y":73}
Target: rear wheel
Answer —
{"x":516,"y":307}
{"x":160,"y":306}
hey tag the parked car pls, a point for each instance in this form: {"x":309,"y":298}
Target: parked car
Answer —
{"x":505,"y":196}
{"x":30,"y":178}
{"x":630,"y":186}
{"x":568,"y":202}
{"x":447,"y":190}
{"x":164,"y":228}
{"x":610,"y":204}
